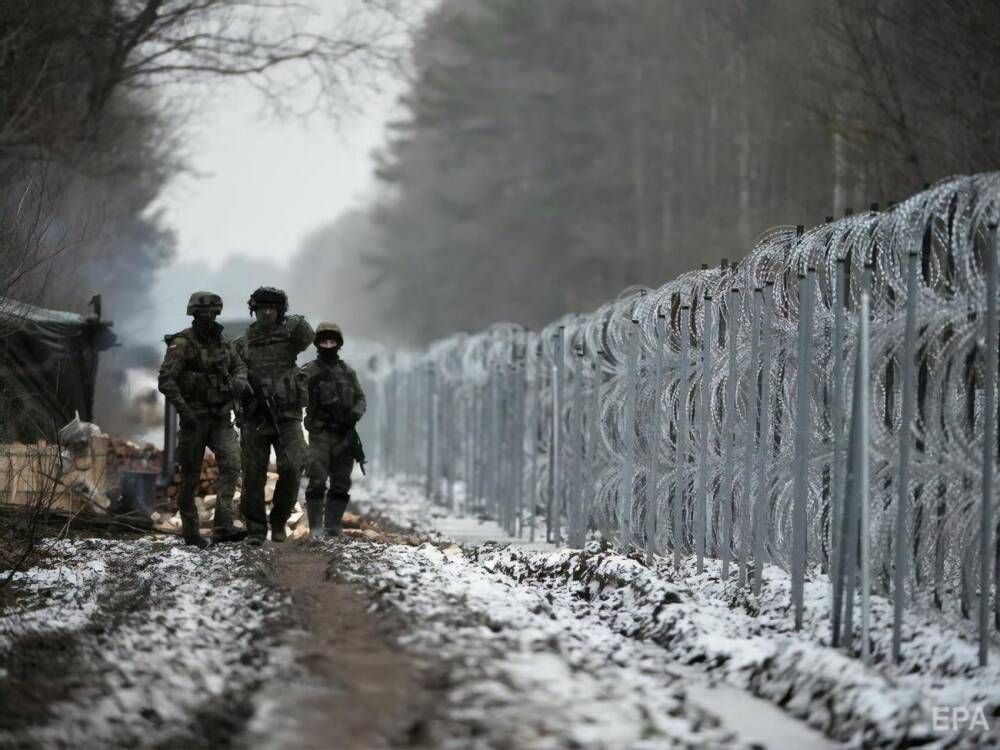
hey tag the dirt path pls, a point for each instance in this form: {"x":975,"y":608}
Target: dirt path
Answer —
{"x":361,"y":691}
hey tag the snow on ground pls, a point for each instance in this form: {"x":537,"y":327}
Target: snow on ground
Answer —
{"x":523,"y":670}
{"x":750,"y":642}
{"x":137,"y":643}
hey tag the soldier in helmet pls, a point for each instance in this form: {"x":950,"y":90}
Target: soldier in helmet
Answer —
{"x":274,"y":414}
{"x":336,"y":403}
{"x":200,"y":376}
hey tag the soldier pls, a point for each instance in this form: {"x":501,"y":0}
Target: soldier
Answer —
{"x":200,"y":376}
{"x":336,"y":403}
{"x":274,"y":416}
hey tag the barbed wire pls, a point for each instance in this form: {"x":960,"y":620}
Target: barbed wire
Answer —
{"x":712,"y":415}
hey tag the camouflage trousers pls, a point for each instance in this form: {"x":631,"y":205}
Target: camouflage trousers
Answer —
{"x":329,"y":458}
{"x":218,"y":435}
{"x":290,"y":449}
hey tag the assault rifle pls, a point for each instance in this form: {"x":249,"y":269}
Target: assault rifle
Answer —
{"x":265,"y":400}
{"x":357,"y":449}
{"x":237,"y":395}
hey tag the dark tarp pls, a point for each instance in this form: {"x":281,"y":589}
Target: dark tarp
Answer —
{"x":48,"y":366}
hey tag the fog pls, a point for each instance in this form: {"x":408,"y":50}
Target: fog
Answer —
{"x":422,"y":168}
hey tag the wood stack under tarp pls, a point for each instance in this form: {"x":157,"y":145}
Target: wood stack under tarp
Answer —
{"x":72,"y":481}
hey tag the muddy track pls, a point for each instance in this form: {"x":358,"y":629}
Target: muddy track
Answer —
{"x":361,"y":690}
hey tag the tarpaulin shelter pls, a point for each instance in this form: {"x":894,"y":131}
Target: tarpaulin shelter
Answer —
{"x":48,"y":368}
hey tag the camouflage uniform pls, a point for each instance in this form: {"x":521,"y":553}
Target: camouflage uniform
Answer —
{"x":199,"y":375}
{"x":270,"y":358}
{"x":336,"y":403}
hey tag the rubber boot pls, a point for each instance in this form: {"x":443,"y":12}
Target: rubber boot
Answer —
{"x":335,"y":507}
{"x":314,"y":512}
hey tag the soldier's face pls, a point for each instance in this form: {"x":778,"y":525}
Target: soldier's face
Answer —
{"x":205,"y":316}
{"x":266,"y":314}
{"x":327,"y":344}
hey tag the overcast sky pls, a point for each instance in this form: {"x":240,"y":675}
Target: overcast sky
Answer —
{"x":258,"y":185}
{"x":261,"y":184}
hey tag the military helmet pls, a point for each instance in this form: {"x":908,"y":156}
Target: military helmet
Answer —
{"x":209,"y":301}
{"x":328,"y":331}
{"x":268,"y":295}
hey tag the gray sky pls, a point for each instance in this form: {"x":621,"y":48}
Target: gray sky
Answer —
{"x":260,"y":184}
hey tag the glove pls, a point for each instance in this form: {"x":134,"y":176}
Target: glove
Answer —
{"x":242,"y":388}
{"x":187,"y":415}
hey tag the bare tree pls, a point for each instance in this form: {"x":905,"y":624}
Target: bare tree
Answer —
{"x":87,"y":142}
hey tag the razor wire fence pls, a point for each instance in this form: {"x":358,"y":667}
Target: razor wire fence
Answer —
{"x":828,"y":402}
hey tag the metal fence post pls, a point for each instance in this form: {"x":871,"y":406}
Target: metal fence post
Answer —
{"x":653,"y":475}
{"x":577,"y":518}
{"x":909,"y":367}
{"x":536,"y":419}
{"x":555,"y":462}
{"x":989,"y":445}
{"x":701,"y":517}
{"x":595,"y":435}
{"x":628,"y":467}
{"x":837,"y":410}
{"x":728,"y":432}
{"x":680,"y":472}
{"x":753,"y":421}
{"x":764,"y":442}
{"x":431,"y":430}
{"x":864,"y":481}
{"x":802,"y":439}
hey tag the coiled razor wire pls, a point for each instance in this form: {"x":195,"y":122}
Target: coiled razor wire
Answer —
{"x":749,"y":413}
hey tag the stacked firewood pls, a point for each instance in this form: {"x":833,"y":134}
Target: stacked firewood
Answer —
{"x":168,"y":519}
{"x":206,"y":483}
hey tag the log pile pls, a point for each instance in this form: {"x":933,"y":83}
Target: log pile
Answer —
{"x":206,"y":484}
{"x":168,"y":519}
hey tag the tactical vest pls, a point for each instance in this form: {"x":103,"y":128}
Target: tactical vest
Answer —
{"x":270,"y":357}
{"x":331,"y":397}
{"x":204,"y":383}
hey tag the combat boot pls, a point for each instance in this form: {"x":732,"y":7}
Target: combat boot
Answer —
{"x":335,"y":507}
{"x":192,"y":536}
{"x":223,"y":528}
{"x":278,"y":533}
{"x":228,"y":534}
{"x":314,"y":512}
{"x":196,"y":541}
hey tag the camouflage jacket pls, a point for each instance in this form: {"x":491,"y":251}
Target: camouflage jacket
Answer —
{"x":200,"y":373}
{"x":270,"y":360}
{"x":336,"y":401}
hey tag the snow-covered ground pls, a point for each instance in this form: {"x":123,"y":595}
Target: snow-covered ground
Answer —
{"x":715,"y":628}
{"x":145,"y":643}
{"x":528,"y":669}
{"x":137,"y":643}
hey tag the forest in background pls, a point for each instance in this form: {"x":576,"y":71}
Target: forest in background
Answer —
{"x":554,"y":153}
{"x":94,"y":98}
{"x":548,"y":154}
